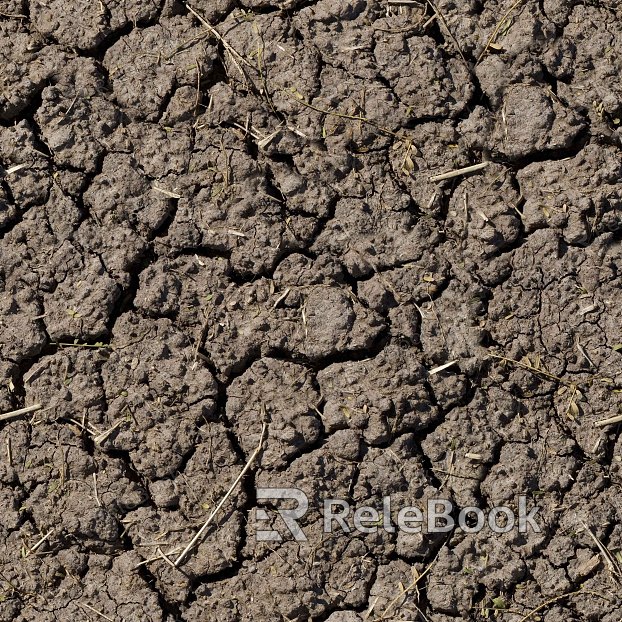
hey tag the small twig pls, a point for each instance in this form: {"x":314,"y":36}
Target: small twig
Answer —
{"x":165,"y":557}
{"x":428,"y":22}
{"x":202,"y":336}
{"x":97,"y":346}
{"x":13,"y":15}
{"x":460,"y":171}
{"x":14,"y":169}
{"x":21,"y":411}
{"x":235,"y":55}
{"x":264,"y":142}
{"x":106,"y":433}
{"x":197,"y":99}
{"x":612,"y":563}
{"x":557,"y":599}
{"x":537,"y":371}
{"x":99,"y":503}
{"x":168,"y":193}
{"x":158,"y":557}
{"x":282,"y":297}
{"x":532,"y":369}
{"x":440,"y":368}
{"x":446,"y":26}
{"x":341,"y":115}
{"x":83,"y":426}
{"x":264,"y":75}
{"x":585,"y":355}
{"x":248,"y":130}
{"x":33,"y":373}
{"x":495,"y":32}
{"x":610,"y":421}
{"x":39,"y":542}
{"x":208,"y":522}
{"x":99,"y":613}
{"x":408,"y":588}
{"x":181,"y":47}
{"x":71,"y":105}
{"x":473,"y":456}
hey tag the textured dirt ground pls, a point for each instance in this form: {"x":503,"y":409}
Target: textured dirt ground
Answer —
{"x":206,"y":224}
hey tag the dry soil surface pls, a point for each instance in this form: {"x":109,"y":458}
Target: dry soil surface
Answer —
{"x":218,"y":215}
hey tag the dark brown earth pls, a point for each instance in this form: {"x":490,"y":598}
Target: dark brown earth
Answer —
{"x":207,"y":225}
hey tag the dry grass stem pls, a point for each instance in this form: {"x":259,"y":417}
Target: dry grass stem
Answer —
{"x":495,"y":32}
{"x":440,"y":368}
{"x":609,"y":421}
{"x":217,"y":509}
{"x":20,"y":411}
{"x":460,"y":171}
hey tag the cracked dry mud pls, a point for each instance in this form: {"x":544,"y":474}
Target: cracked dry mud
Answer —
{"x":223,"y":214}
